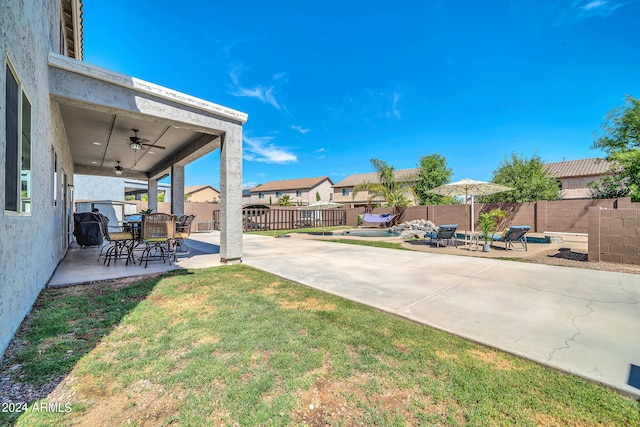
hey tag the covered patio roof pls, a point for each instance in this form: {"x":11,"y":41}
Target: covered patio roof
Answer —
{"x":100,"y":108}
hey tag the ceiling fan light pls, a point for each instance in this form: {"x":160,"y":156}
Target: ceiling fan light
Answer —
{"x":118,"y":169}
{"x":135,"y":146}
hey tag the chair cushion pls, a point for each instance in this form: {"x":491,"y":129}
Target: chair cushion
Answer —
{"x":121,"y":235}
{"x":181,"y":235}
{"x":156,"y":239}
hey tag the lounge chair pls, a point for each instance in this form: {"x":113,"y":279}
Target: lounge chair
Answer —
{"x":445,"y":232}
{"x":515,"y":233}
{"x":382,"y":219}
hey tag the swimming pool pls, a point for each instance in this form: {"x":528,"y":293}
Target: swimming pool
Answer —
{"x":369,"y":233}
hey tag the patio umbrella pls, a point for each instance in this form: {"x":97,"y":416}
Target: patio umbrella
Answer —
{"x":469,"y":187}
{"x":319,"y":206}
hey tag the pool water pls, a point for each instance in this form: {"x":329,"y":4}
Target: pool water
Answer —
{"x":369,"y":233}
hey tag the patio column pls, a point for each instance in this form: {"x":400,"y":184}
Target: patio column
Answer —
{"x":177,"y":190}
{"x":231,"y":197}
{"x":153,"y":195}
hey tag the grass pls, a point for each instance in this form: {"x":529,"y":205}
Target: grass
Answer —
{"x":374,"y":243}
{"x":237,"y":346}
{"x":278,"y":233}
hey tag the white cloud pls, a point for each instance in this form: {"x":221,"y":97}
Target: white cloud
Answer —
{"x":593,"y":5}
{"x":585,"y":9}
{"x":322,"y":157}
{"x":260,"y":149}
{"x":300,"y":129}
{"x":394,"y":106}
{"x":320,"y":150}
{"x":261,"y":92}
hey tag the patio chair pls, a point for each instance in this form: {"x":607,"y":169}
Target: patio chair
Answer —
{"x":445,"y":232}
{"x":120,"y":243}
{"x":158,"y":231}
{"x":515,"y":233}
{"x":183,"y":231}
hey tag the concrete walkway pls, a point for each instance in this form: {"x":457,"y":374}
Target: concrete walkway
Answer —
{"x":584,"y":322}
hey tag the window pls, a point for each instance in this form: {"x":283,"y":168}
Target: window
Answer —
{"x":260,"y":195}
{"x":345,"y":191}
{"x":18,"y":148}
{"x":278,"y":194}
{"x":330,"y":197}
{"x":298,"y":193}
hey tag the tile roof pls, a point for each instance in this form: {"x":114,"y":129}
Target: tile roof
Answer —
{"x":196,"y":188}
{"x":582,"y":167}
{"x":357,"y":178}
{"x":291,"y":184}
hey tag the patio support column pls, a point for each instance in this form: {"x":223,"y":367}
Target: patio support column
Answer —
{"x":177,"y":190}
{"x":153,"y":195}
{"x":231,"y":197}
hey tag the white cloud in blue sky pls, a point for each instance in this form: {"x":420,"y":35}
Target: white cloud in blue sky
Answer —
{"x":602,"y":8}
{"x":264,"y":93}
{"x":260,"y":149}
{"x":300,"y":129}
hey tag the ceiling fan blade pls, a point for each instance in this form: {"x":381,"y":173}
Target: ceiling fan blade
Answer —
{"x":138,"y":140}
{"x":154,"y":146}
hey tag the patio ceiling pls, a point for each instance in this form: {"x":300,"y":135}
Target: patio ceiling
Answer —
{"x":98,"y":140}
{"x":100,"y":109}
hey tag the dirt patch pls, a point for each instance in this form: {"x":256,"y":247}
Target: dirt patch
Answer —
{"x":308,"y":304}
{"x":143,"y":403}
{"x":446,"y":356}
{"x":492,"y":358}
{"x":569,"y":258}
{"x":341,"y":402}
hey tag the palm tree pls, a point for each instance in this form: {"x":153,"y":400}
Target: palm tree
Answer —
{"x":392,"y":192}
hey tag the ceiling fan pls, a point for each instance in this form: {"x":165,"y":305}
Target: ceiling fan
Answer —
{"x":136,"y":143}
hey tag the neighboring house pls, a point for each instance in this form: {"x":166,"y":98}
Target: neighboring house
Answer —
{"x":300,"y":191}
{"x":60,"y":117}
{"x":246,"y":196}
{"x":574,"y":175}
{"x":202,"y":194}
{"x":343,"y":190}
{"x":87,"y":187}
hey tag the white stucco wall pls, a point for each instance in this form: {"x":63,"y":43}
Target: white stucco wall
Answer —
{"x":89,"y":187}
{"x":31,"y":245}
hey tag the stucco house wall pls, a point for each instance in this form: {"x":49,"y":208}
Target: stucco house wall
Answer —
{"x":208,"y":194}
{"x":32,"y":243}
{"x":88,"y":187}
{"x":307,"y":195}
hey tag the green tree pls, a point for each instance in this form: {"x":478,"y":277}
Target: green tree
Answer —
{"x":529,"y":179}
{"x":161,"y":197}
{"x":285,"y":200}
{"x":433,"y":173}
{"x":317,"y":196}
{"x":393,"y":192}
{"x":620,"y":140}
{"x":609,"y":187}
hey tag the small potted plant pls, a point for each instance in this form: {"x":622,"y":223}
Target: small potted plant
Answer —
{"x":146,"y":211}
{"x":487,"y":224}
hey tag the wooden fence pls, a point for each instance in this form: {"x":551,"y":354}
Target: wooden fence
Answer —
{"x":254,"y":219}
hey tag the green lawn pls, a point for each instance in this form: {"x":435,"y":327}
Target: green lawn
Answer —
{"x":237,"y":346}
{"x":278,"y":233}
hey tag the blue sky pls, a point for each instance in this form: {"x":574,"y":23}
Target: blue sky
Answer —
{"x":330,"y":85}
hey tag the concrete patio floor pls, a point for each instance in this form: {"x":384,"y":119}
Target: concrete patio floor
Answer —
{"x":580,"y":321}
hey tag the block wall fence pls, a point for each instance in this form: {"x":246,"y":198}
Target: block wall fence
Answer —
{"x":613,"y":225}
{"x":614,"y":235}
